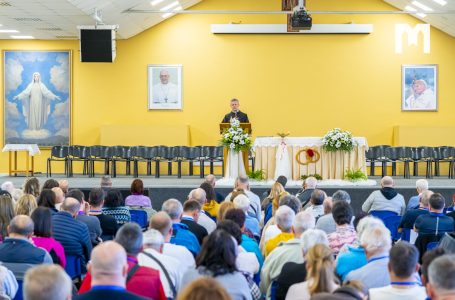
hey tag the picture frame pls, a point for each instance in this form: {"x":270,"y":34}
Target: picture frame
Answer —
{"x":165,"y":87}
{"x":419,"y":86}
{"x":37,"y":97}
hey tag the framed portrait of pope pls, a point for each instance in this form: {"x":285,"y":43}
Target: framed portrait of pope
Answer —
{"x":419,"y":88}
{"x":37,"y":97}
{"x":165,"y":87}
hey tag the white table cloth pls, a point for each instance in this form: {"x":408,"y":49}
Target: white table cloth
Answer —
{"x":32,"y":149}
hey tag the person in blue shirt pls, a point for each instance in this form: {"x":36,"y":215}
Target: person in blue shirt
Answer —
{"x":410,"y":216}
{"x":421,"y":186}
{"x":436,"y":222}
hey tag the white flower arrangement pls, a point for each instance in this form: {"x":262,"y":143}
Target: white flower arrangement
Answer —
{"x":235,"y":138}
{"x":337,"y":140}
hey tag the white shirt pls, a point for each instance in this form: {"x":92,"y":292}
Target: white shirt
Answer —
{"x":171,"y":264}
{"x":165,"y":93}
{"x":300,"y":291}
{"x":182,"y":254}
{"x":206,"y":222}
{"x":271,"y":232}
{"x":247,"y":261}
{"x":392,"y":293}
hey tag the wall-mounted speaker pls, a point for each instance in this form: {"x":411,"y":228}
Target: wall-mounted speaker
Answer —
{"x":97,"y":45}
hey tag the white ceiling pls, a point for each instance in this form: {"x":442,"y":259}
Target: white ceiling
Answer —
{"x":58,"y":19}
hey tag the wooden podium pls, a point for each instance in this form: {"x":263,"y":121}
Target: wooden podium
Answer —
{"x":246,"y":127}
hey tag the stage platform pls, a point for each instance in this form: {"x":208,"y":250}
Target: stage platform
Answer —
{"x":165,"y":187}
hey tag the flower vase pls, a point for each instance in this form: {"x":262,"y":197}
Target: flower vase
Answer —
{"x":234,"y":165}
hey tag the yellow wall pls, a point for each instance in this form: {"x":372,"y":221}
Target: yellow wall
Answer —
{"x":305,"y":84}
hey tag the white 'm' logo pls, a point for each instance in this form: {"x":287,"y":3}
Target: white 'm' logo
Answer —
{"x":413,"y":34}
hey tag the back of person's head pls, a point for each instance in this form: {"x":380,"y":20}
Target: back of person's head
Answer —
{"x":42,"y":219}
{"x":21,"y":225}
{"x":283,"y":180}
{"x":236,"y":215}
{"x":108,"y":262}
{"x":290,"y":201}
{"x":71,"y":205}
{"x":8,"y":186}
{"x":236,"y":192}
{"x":310,"y":183}
{"x":161,"y":222}
{"x":152,"y":238}
{"x":284,"y":217}
{"x":59,"y":195}
{"x":376,"y":239}
{"x":191,"y":206}
{"x":387,"y":181}
{"x":106,"y":181}
{"x":63,"y":184}
{"x":96,"y":197}
{"x":225,"y":206}
{"x":425,"y":197}
{"x":204,"y":288}
{"x":26,"y":204}
{"x":137,"y":187}
{"x":16,"y":194}
{"x":47,"y":198}
{"x":232,"y":228}
{"x":242,"y":202}
{"x":47,"y":282}
{"x":218,"y":253}
{"x":173,"y":208}
{"x":242,"y":181}
{"x":342,"y":213}
{"x":276,"y":190}
{"x":437,"y":201}
{"x":76,"y":194}
{"x":427,"y":259}
{"x":366,"y":222}
{"x":421,"y":185}
{"x":130,"y":237}
{"x":303,"y":221}
{"x":50,"y":183}
{"x":327,"y":205}
{"x":210,"y":179}
{"x":6,"y":212}
{"x":442,"y":276}
{"x":32,"y":186}
{"x":341,"y":195}
{"x":317,"y":197}
{"x":209,"y":191}
{"x":312,"y":237}
{"x":320,"y":266}
{"x":113,"y":198}
{"x":404,"y":259}
{"x":198,"y":195}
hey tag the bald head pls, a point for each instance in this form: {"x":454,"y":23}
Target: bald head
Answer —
{"x":163,"y":223}
{"x":63,"y":184}
{"x":210,"y":179}
{"x":71,"y":205}
{"x":59,"y":195}
{"x":21,"y":226}
{"x":108,"y":264}
{"x":387,"y":181}
{"x":199,"y":195}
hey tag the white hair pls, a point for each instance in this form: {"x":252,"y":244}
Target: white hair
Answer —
{"x":242,"y":202}
{"x":284,"y":217}
{"x":376,"y":239}
{"x":199,"y":195}
{"x":422,"y":185}
{"x":366,"y":222}
{"x":8,"y":186}
{"x":304,"y":221}
{"x":312,"y":237}
{"x":152,"y":238}
{"x":17,"y":194}
{"x":311,"y":182}
{"x":173,"y":208}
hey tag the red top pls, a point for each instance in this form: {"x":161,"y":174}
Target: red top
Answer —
{"x":145,"y":282}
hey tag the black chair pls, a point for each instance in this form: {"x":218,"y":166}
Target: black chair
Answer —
{"x":189,"y":154}
{"x":142,"y":154}
{"x":444,"y":154}
{"x":423,"y":154}
{"x":58,"y":153}
{"x":120,"y":154}
{"x":79,"y":153}
{"x":377,"y":154}
{"x":400,"y":154}
{"x":212,"y":154}
{"x":164,"y":154}
{"x":100,"y":154}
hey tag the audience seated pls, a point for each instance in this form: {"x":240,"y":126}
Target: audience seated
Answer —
{"x":284,"y":218}
{"x":434,"y":223}
{"x":217,"y":260}
{"x":59,"y":197}
{"x":204,"y":220}
{"x":251,"y":223}
{"x":210,"y":179}
{"x":42,"y":237}
{"x":270,"y":203}
{"x":344,"y":234}
{"x":47,"y":198}
{"x":64,"y":186}
{"x":49,"y":184}
{"x":47,"y":282}
{"x":411,"y":215}
{"x":427,"y":259}
{"x":441,"y":274}
{"x":403,"y":265}
{"x":71,"y":233}
{"x":290,"y":251}
{"x":243,"y":183}
{"x":326,"y":222}
{"x":281,"y":180}
{"x":204,"y":288}
{"x":7,"y":186}
{"x":316,"y":203}
{"x":190,"y":216}
{"x":451,"y":208}
{"x":32,"y":187}
{"x":25,"y":205}
{"x":6,"y":213}
{"x":106,"y":183}
{"x":421,"y":186}
{"x":211,"y":206}
{"x":16,"y":194}
{"x":109,"y":270}
{"x":224,"y":207}
{"x":108,"y":223}
{"x":386,"y":199}
{"x":377,"y":242}
{"x":115,"y":206}
{"x":137,"y":197}
{"x":304,"y":195}
{"x":320,"y":278}
{"x":350,"y":291}
{"x":181,"y":234}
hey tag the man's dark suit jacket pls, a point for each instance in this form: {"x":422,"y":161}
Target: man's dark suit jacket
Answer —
{"x":242,"y":117}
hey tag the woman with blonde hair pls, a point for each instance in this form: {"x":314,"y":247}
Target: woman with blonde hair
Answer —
{"x":320,"y":274}
{"x":204,"y":288}
{"x":26,"y":204}
{"x":224,"y":207}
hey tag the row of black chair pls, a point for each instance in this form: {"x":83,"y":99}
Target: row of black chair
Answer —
{"x":110,"y":155}
{"x":407,"y":155}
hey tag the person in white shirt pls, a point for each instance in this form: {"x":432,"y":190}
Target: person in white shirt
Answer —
{"x":421,"y":98}
{"x":165,"y":91}
{"x":200,"y":196}
{"x":403,"y":265}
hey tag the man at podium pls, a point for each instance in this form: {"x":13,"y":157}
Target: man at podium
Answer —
{"x":235,"y":113}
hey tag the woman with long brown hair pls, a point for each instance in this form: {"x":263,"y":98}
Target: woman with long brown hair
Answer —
{"x":6,"y":213}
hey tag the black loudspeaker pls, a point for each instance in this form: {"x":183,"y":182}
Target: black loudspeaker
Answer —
{"x":97,"y":45}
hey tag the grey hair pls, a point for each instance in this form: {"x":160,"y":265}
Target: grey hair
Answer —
{"x":8,"y":186}
{"x":153,"y":239}
{"x":341,"y":195}
{"x":48,"y":282}
{"x":422,"y":185}
{"x":441,"y":273}
{"x":130,"y":237}
{"x":311,"y":182}
{"x":173,"y":208}
{"x":366,"y":222}
{"x":425,"y":197}
{"x":376,"y":239}
{"x":304,"y":221}
{"x":312,"y":237}
{"x":106,"y":181}
{"x":21,"y":225}
{"x":242,"y":202}
{"x":242,"y":180}
{"x":199,"y":195}
{"x":291,"y":201}
{"x":284,"y":217}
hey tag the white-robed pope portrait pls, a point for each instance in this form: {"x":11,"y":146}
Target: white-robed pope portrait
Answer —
{"x":165,"y":87}
{"x":419,"y":88}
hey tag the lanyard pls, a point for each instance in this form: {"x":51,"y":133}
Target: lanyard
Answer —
{"x":108,"y":287}
{"x":404,"y":283}
{"x":378,"y":258}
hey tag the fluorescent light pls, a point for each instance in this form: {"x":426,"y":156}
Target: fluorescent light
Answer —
{"x":8,"y":31}
{"x":169,"y":6}
{"x":409,"y":8}
{"x":23,"y":37}
{"x":422,"y":6}
{"x":440,"y":2}
{"x":167,"y":15}
{"x":422,"y":15}
{"x":155,"y":2}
